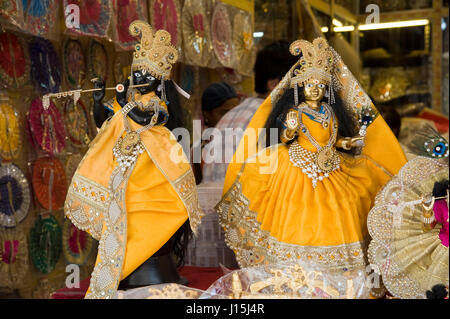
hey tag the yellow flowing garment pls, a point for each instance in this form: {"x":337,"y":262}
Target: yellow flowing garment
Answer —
{"x":133,"y":217}
{"x":271,"y":212}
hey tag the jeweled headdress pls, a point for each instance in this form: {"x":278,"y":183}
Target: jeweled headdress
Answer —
{"x":154,"y":53}
{"x":316,"y":61}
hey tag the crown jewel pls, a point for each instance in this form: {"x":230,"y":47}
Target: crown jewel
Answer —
{"x":154,"y":53}
{"x":316,"y":61}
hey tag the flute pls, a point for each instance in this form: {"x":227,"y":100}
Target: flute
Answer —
{"x":76,"y":93}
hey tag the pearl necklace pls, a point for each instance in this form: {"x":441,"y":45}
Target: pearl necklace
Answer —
{"x":129,"y":147}
{"x":316,"y":165}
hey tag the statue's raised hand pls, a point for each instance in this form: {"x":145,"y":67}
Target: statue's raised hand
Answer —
{"x":100,"y":94}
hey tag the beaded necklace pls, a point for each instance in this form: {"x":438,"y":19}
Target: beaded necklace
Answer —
{"x":316,"y":165}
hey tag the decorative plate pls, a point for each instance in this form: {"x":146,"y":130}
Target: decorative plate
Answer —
{"x":11,"y":10}
{"x":196,"y":33}
{"x":49,"y":183}
{"x":45,"y":243}
{"x":74,"y":63}
{"x":45,"y":66}
{"x":98,"y":60}
{"x":14,"y":195}
{"x":244,"y":49}
{"x":165,"y":14}
{"x":95,"y":17}
{"x":125,"y":12}
{"x":77,"y":244}
{"x":14,"y":61}
{"x":40,"y":16}
{"x":76,"y":119}
{"x":46,"y":127}
{"x":221,"y":34}
{"x":10,"y":141}
{"x":13,"y":258}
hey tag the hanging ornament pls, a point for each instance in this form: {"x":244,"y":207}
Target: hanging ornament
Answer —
{"x":49,"y":183}
{"x":14,"y":258}
{"x":196,"y":33}
{"x":14,"y":195}
{"x":74,"y":63}
{"x":95,"y":17}
{"x":14,"y":61}
{"x":125,"y":12}
{"x":221,"y":34}
{"x":40,"y":16}
{"x":77,"y":244}
{"x":244,"y":48}
{"x":10,"y":142}
{"x":45,"y":243}
{"x":45,"y":66}
{"x":98,"y":60}
{"x":46,"y":127}
{"x":76,"y":118}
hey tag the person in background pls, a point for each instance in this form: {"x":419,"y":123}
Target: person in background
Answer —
{"x":272,"y":63}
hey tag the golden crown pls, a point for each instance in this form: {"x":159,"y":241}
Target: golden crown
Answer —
{"x":154,"y":53}
{"x":316,"y":61}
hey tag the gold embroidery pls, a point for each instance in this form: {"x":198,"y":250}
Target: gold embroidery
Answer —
{"x":107,"y":272}
{"x":408,"y":259}
{"x":254,"y":246}
{"x":86,"y":204}
{"x":187,"y":190}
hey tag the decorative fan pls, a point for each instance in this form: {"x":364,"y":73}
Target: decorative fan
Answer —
{"x":45,"y":66}
{"x":244,"y":49}
{"x":125,"y":12}
{"x":74,"y":63}
{"x":40,"y":15}
{"x":13,"y":258}
{"x":95,"y":17}
{"x":45,"y":243}
{"x":14,"y":61}
{"x":11,"y":10}
{"x":165,"y":14}
{"x":10,"y":141}
{"x":98,"y":60}
{"x":196,"y":33}
{"x":46,"y":127}
{"x":14,"y":196}
{"x":77,"y":244}
{"x":49,"y":183}
{"x":221,"y":34}
{"x":76,"y":119}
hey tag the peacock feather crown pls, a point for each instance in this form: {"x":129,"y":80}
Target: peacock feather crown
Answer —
{"x":154,"y":53}
{"x":316,"y":62}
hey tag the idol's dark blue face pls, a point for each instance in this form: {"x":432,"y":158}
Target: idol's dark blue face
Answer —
{"x":142,"y":77}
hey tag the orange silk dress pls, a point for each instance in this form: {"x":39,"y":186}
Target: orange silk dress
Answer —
{"x":153,"y":201}
{"x":271,"y":212}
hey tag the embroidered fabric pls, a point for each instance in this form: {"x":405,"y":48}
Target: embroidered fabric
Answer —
{"x":410,"y":261}
{"x":254,"y":246}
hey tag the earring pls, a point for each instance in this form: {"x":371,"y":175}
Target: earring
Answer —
{"x":428,"y":215}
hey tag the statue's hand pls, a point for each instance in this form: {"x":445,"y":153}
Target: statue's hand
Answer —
{"x":121,"y":92}
{"x":100,"y":94}
{"x":291,"y":121}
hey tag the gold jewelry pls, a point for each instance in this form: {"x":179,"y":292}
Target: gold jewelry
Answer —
{"x":316,"y":62}
{"x":428,"y":214}
{"x":155,"y":53}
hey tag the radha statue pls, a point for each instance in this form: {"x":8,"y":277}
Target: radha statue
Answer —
{"x":127,"y":192}
{"x":305,"y":197}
